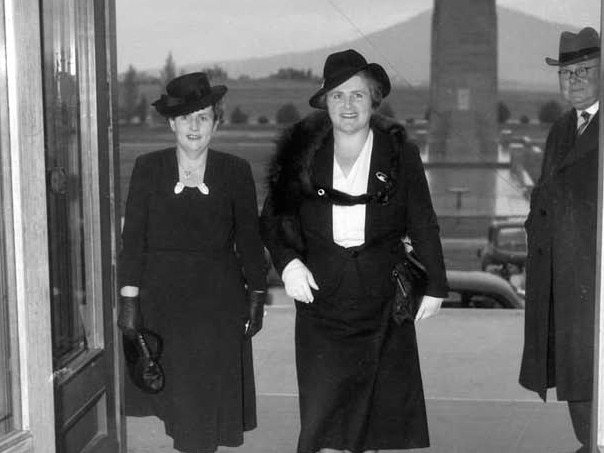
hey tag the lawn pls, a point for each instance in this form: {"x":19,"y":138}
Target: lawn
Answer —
{"x":263,"y":97}
{"x":256,"y":145}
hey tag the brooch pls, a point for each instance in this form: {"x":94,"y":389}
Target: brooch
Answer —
{"x":202,"y":187}
{"x":382,"y":176}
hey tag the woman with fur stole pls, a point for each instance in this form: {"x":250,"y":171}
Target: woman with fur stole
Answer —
{"x":344,"y":187}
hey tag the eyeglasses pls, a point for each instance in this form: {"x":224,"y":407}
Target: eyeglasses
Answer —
{"x":580,"y":72}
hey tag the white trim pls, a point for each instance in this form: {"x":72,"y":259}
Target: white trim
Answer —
{"x":597,"y":428}
{"x":13,"y":102}
{"x":26,"y":132}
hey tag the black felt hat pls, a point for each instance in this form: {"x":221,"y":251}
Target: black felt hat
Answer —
{"x":576,"y":47}
{"x":341,"y":66}
{"x":188,"y":93}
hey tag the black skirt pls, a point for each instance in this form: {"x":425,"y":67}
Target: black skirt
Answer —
{"x":197,"y":304}
{"x":359,"y":377}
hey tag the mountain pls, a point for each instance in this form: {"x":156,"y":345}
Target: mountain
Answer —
{"x":404,"y":51}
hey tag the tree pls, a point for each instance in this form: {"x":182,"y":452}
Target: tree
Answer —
{"x":216,"y":73}
{"x":142,"y":109}
{"x":169,"y":70}
{"x":238,"y":116}
{"x":428,"y":114}
{"x":386,"y":110}
{"x":287,"y":114}
{"x":130,"y":94}
{"x":503,"y":113}
{"x":550,"y":112}
{"x":293,"y":74}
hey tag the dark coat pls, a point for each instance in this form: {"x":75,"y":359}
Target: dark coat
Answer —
{"x":192,"y":255}
{"x":561,"y":265}
{"x":295,"y":218}
{"x":358,"y":374}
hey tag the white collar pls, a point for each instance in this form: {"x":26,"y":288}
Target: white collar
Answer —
{"x":592,"y":109}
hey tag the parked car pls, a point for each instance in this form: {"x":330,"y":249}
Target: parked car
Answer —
{"x":480,"y":289}
{"x":468,"y":289}
{"x":505,"y":251}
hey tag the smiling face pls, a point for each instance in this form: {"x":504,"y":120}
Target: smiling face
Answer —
{"x":194,"y":131}
{"x":582,"y":92}
{"x":349,"y":105}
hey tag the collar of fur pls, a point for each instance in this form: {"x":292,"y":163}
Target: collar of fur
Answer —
{"x":290,"y":173}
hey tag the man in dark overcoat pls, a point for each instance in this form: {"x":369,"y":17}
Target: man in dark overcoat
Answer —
{"x":561,"y":232}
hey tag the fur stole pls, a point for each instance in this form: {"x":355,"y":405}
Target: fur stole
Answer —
{"x":290,"y":176}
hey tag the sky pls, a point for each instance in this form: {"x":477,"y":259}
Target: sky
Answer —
{"x":217,"y":30}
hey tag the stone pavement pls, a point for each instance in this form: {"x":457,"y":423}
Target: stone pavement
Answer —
{"x":470,"y":360}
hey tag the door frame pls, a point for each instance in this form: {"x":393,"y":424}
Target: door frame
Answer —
{"x":23,"y":76}
{"x":597,"y":428}
{"x":22,"y":140}
{"x":109,"y":174}
{"x":87,"y":393}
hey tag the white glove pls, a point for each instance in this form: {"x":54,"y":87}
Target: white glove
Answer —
{"x":298,"y":281}
{"x":430,"y":306}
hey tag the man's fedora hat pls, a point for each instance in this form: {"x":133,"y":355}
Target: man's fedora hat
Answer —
{"x":576,"y":47}
{"x":188,"y":93}
{"x":341,"y":66}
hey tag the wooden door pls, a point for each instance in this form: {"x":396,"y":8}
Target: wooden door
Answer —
{"x":81,"y":234}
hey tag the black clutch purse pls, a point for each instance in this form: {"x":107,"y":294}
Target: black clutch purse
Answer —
{"x":410,"y":278}
{"x":142,"y":353}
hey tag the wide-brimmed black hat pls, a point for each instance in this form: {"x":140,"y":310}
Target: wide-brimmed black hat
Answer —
{"x":341,"y":66}
{"x":576,"y":47}
{"x":188,"y":93}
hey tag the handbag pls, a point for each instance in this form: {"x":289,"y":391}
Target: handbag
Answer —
{"x":410,"y":280}
{"x":142,"y":352}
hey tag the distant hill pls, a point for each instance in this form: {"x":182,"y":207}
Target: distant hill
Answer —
{"x":404,"y":50}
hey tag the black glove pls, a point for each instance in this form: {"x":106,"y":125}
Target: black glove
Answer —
{"x":257,"y":301}
{"x":130,"y":319}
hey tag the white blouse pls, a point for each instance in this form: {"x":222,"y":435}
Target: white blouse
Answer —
{"x":349,"y":221}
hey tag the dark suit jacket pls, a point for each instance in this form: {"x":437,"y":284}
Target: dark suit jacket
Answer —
{"x":230,"y":221}
{"x":560,"y":287}
{"x":303,"y":228}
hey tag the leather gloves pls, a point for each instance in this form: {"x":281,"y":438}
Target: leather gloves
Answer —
{"x":130,"y":319}
{"x":257,"y":301}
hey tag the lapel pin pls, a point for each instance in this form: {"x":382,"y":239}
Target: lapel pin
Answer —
{"x":382,"y":176}
{"x":203,"y":188}
{"x":179,"y":187}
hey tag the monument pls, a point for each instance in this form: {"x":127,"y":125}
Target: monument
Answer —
{"x":468,"y":173}
{"x":463,"y":81}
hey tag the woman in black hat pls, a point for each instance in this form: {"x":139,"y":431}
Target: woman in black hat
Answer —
{"x":192,"y":264}
{"x":345,"y":187}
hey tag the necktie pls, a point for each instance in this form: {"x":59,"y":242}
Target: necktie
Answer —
{"x":583,"y":122}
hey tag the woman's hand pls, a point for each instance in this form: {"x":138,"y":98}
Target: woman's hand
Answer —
{"x":257,"y":300}
{"x":430,"y":306}
{"x":299,"y":281}
{"x":130,"y":319}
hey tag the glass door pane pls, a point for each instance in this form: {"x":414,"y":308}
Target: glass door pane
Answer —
{"x":66,"y":218}
{"x":84,"y":384}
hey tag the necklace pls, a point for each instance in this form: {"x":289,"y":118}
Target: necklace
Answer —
{"x":188,"y":173}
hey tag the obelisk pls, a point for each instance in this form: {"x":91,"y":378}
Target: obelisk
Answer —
{"x":463,"y":82}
